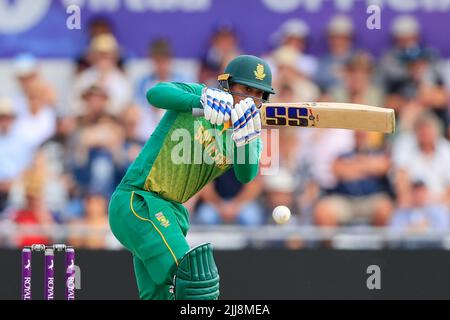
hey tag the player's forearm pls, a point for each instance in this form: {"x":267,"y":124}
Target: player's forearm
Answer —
{"x":246,"y":161}
{"x":174,"y":96}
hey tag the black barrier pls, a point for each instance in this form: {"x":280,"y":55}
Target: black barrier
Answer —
{"x":261,"y":274}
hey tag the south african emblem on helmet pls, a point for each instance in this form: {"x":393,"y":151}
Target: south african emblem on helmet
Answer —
{"x":259,"y":72}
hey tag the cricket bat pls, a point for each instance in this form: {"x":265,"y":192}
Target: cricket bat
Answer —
{"x":325,"y":115}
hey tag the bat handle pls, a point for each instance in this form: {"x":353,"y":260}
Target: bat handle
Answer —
{"x":198,"y":112}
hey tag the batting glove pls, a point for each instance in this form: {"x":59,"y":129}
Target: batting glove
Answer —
{"x":246,"y":121}
{"x":217,"y":105}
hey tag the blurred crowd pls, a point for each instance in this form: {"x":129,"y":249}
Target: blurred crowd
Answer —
{"x":60,"y":164}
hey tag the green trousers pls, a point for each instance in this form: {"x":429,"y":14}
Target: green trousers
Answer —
{"x":153,"y":230}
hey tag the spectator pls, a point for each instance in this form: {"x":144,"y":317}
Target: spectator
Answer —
{"x":319,"y":148}
{"x":294,"y":33}
{"x":94,"y":224}
{"x":305,"y":191}
{"x":38,"y":122}
{"x":223,"y":48}
{"x":15,"y":154}
{"x":103,"y":55}
{"x":27,"y":72}
{"x":132,"y":143}
{"x":289,"y":75}
{"x":423,"y":155}
{"x":422,"y":215}
{"x":405,"y":31}
{"x":97,"y":26}
{"x":227,"y":201}
{"x":393,"y":72}
{"x":361,"y":191}
{"x":358,"y":87}
{"x":284,"y":154}
{"x":160,"y":55}
{"x":34,"y":213}
{"x":57,"y":155}
{"x":423,"y":83}
{"x":330,"y":72}
{"x":97,"y":145}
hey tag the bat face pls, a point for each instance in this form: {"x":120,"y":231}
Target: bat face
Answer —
{"x":329,"y":115}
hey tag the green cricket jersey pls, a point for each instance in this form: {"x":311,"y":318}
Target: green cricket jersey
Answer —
{"x":185,"y":153}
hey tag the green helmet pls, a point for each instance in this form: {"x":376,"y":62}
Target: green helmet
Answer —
{"x":250,"y":71}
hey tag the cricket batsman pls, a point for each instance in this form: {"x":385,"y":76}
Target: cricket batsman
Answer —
{"x":146,"y":212}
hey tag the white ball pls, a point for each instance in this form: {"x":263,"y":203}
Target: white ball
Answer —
{"x":281,"y":214}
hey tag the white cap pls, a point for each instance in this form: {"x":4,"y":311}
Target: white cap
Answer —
{"x":106,"y":43}
{"x":405,"y":26}
{"x":293,"y":28}
{"x":25,"y":64}
{"x":283,"y":181}
{"x":340,"y":25}
{"x":286,"y":56}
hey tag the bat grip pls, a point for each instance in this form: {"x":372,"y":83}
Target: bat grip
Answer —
{"x":198,"y":112}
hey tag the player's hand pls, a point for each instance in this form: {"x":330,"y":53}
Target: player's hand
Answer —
{"x":217,"y":105}
{"x":246,"y":121}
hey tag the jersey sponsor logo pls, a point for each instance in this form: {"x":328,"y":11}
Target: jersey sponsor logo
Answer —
{"x":207,"y":140}
{"x":259,"y":72}
{"x":163,"y":221}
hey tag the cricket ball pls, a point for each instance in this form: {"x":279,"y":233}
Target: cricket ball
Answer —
{"x":281,"y":214}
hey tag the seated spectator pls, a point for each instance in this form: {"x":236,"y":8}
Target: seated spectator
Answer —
{"x":361,"y":191}
{"x":294,"y":33}
{"x":340,"y":40}
{"x":290,"y":75}
{"x":287,"y":166}
{"x":227,"y":201}
{"x":161,"y":59}
{"x":97,"y":26}
{"x":103,"y":55}
{"x":422,"y":215}
{"x":223,"y":48}
{"x":422,"y":155}
{"x":34,"y":212}
{"x":91,"y":231}
{"x":132,"y":143}
{"x":405,"y":31}
{"x":97,"y":145}
{"x":57,"y":155}
{"x":423,"y":83}
{"x":16,"y":153}
{"x":27,"y":71}
{"x":38,"y":122}
{"x":160,"y":54}
{"x":320,"y":148}
{"x":358,"y":87}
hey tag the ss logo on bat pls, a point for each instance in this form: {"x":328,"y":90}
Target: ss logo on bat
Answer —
{"x":291,"y":116}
